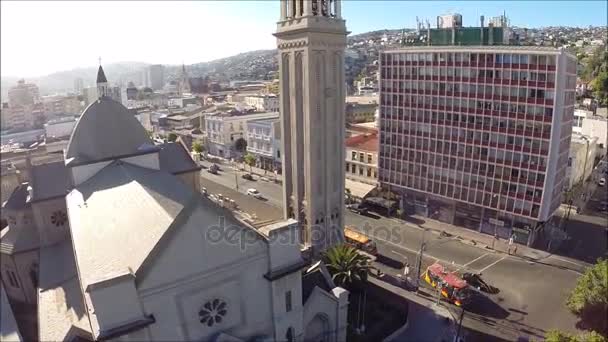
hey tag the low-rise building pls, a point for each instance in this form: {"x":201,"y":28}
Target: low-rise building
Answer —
{"x":264,"y":141}
{"x":362,"y":158}
{"x":361,"y":108}
{"x":225,"y":129}
{"x":597,"y":127}
{"x":59,"y":128}
{"x":580,"y":159}
{"x":266,"y":103}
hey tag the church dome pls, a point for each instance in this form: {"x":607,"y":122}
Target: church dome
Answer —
{"x":106,"y":129}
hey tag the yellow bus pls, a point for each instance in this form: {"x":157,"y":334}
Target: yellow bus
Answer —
{"x":359,"y":241}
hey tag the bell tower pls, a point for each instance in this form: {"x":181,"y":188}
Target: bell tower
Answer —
{"x":311,"y":38}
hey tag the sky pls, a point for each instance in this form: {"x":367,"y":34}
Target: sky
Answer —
{"x":38,"y":38}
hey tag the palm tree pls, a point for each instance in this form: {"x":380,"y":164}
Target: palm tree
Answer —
{"x":346,"y":265}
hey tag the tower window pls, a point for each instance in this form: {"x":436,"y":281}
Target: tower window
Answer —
{"x":288,"y":301}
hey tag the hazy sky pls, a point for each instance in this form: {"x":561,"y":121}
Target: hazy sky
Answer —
{"x":39,"y":38}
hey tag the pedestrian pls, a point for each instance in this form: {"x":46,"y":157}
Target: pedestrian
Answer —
{"x":514,"y":249}
{"x":406,"y":271}
{"x":510,"y":244}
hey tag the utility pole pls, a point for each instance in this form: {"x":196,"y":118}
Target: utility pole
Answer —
{"x":459,"y":325}
{"x":419,"y":259}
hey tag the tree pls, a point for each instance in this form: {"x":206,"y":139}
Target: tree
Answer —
{"x":346,"y":265}
{"x":600,"y":86}
{"x":250,"y":160}
{"x":197,"y":147}
{"x":589,"y":299}
{"x":240,"y":145}
{"x":559,"y":336}
{"x":172,"y":137}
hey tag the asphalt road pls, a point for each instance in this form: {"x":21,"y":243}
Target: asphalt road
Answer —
{"x":532,"y":293}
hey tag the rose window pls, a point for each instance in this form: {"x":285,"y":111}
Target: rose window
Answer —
{"x":213,"y":312}
{"x":59,"y":218}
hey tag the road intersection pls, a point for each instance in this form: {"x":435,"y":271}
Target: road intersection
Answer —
{"x":532,"y":292}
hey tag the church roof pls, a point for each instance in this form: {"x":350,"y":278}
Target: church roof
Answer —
{"x":119,"y":215}
{"x":101,"y":76}
{"x":61,"y":310}
{"x":14,"y":240}
{"x":106,"y":129}
{"x":49,"y":181}
{"x":9,"y":331}
{"x":18,"y":199}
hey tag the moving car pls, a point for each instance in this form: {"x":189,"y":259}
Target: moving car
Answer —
{"x":357,"y":208}
{"x":213,"y":169}
{"x":253,"y":192}
{"x":247,"y":177}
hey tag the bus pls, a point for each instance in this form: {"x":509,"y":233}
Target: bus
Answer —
{"x":360,"y":241}
{"x":453,"y":288}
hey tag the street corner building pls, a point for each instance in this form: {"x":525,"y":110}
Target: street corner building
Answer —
{"x":115,"y":243}
{"x":477,"y":136}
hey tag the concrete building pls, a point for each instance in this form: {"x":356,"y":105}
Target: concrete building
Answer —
{"x":311,"y":39}
{"x":361,"y":108}
{"x":223,"y":130}
{"x":449,"y":20}
{"x":579,"y":117}
{"x":125,"y":250}
{"x":581,"y":157}
{"x":263,"y":103}
{"x":156,"y":77}
{"x":78,"y":85}
{"x":59,"y":128}
{"x":23,"y":94}
{"x":362,"y":158}
{"x":477,"y":137}
{"x":264,"y":142}
{"x":596,"y":127}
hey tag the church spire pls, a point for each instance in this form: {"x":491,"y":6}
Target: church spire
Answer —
{"x":102,"y":82}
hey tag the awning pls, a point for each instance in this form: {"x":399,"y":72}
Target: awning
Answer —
{"x":358,"y":189}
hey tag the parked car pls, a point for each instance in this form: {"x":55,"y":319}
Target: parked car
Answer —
{"x":357,"y":208}
{"x":213,"y":169}
{"x":602,"y":182}
{"x":255,"y":193}
{"x":247,"y":176}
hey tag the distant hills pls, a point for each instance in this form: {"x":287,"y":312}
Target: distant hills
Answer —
{"x":260,"y":64}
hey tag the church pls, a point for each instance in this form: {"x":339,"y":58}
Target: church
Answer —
{"x":121,"y":237}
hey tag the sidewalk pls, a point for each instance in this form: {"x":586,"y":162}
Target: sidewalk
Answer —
{"x":255,"y":170}
{"x":476,"y":238}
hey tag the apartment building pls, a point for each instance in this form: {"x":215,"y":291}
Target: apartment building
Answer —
{"x":267,"y":103}
{"x":264,"y":142}
{"x":477,"y":136}
{"x":223,"y":130}
{"x":362,"y":158}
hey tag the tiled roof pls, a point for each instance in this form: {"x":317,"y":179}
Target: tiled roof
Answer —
{"x":364,"y":142}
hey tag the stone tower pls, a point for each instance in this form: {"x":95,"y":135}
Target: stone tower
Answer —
{"x":311,"y":38}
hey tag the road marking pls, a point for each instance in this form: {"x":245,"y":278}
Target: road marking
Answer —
{"x":492,"y":264}
{"x":568,"y":261}
{"x":415,"y":252}
{"x":472,"y":261}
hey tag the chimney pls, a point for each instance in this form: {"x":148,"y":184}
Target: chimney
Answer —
{"x":481,"y":29}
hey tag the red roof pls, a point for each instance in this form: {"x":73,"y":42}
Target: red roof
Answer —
{"x":364,"y":142}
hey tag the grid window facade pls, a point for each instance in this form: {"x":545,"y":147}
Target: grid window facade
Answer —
{"x":471,"y":126}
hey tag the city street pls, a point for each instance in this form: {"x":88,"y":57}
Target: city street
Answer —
{"x":532,"y":292}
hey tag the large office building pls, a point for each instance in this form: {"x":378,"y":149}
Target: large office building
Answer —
{"x":477,"y":136}
{"x":155,"y":76}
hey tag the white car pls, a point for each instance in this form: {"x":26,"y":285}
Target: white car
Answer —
{"x":254,"y":193}
{"x":602,"y":182}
